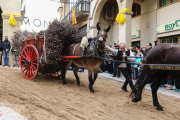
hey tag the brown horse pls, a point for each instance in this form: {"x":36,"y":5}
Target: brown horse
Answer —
{"x":91,"y":63}
{"x":165,"y":53}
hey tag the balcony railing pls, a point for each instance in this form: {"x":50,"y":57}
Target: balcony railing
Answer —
{"x":83,"y":6}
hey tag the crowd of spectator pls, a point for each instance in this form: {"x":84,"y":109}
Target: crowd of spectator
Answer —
{"x":114,"y":69}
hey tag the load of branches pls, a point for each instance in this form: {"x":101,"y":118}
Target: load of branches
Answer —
{"x":58,"y":37}
{"x":19,"y":36}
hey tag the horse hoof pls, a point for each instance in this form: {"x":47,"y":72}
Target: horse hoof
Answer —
{"x":78,"y":84}
{"x":92,"y":91}
{"x":64,"y":83}
{"x":159,"y":108}
{"x":135,"y":100}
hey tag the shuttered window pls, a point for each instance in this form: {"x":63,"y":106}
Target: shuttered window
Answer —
{"x":136,"y":9}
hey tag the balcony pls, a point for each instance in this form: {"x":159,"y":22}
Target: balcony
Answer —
{"x":82,"y":10}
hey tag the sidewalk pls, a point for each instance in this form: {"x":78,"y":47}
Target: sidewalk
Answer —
{"x":161,"y":90}
{"x":9,"y":114}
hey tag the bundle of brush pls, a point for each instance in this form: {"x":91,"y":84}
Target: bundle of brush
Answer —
{"x":58,"y":37}
{"x":19,"y":36}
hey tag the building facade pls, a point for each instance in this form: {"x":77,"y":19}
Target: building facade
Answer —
{"x":6,"y":29}
{"x":150,"y":20}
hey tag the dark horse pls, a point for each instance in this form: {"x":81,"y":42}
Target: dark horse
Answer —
{"x":91,"y":63}
{"x":165,"y":53}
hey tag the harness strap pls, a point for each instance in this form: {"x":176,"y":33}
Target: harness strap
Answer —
{"x":75,"y":49}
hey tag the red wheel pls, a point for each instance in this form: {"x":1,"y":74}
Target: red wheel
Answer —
{"x":56,"y":74}
{"x":29,"y":62}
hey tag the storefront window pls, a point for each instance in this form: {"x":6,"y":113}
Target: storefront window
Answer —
{"x":83,"y":30}
{"x":166,"y":2}
{"x":174,"y":39}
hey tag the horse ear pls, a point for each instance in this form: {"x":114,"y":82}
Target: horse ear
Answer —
{"x":107,"y":30}
{"x":98,"y":27}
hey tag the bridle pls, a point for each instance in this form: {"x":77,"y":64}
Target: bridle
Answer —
{"x":100,"y":42}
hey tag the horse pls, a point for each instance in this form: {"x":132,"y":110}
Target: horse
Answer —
{"x":92,"y":64}
{"x":165,"y":53}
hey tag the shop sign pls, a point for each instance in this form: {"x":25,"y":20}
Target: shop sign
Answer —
{"x":168,"y":27}
{"x":135,"y":34}
{"x":36,"y":22}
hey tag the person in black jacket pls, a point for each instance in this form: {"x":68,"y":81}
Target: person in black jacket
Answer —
{"x":6,"y":47}
{"x":1,"y":49}
{"x":124,"y":68}
{"x":149,"y":47}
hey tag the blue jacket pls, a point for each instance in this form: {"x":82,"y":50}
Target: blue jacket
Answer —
{"x":138,"y":60}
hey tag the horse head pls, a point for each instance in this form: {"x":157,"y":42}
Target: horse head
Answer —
{"x":101,"y":36}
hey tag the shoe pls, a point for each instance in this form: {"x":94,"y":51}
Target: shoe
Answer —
{"x":125,"y":89}
{"x":114,"y":76}
{"x":132,"y":79}
{"x":8,"y":65}
{"x":17,"y":65}
{"x":14,"y":65}
{"x":118,"y":76}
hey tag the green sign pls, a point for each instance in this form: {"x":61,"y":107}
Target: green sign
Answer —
{"x":135,"y":34}
{"x":168,"y":27}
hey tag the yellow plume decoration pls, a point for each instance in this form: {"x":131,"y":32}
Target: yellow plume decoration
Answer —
{"x":12,"y":20}
{"x":121,"y":17}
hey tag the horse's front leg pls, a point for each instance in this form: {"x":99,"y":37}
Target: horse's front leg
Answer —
{"x":154,"y":87}
{"x":90,"y":80}
{"x":76,"y":75}
{"x":95,"y":76}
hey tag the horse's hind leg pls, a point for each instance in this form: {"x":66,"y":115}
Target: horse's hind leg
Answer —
{"x":154,"y":86}
{"x":65,"y":68}
{"x":76,"y":75}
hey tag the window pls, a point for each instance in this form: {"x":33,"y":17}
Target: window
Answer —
{"x":136,"y":9}
{"x":83,"y":30}
{"x":166,"y":2}
{"x":173,"y":39}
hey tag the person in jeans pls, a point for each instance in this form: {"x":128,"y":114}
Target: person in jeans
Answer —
{"x":6,"y":47}
{"x":1,"y":49}
{"x":15,"y":57}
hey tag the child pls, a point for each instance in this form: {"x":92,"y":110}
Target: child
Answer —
{"x":136,"y":66}
{"x":169,"y":83}
{"x":133,"y":74}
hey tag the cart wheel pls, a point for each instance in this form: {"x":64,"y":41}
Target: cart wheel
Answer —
{"x":56,"y":74}
{"x":29,"y":62}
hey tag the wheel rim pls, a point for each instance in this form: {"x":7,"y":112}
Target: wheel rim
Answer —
{"x":56,"y":74}
{"x":29,"y":62}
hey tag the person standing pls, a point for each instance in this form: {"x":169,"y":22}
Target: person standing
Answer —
{"x":6,"y":47}
{"x":124,"y":68}
{"x":15,"y":57}
{"x":1,"y":49}
{"x":147,"y":49}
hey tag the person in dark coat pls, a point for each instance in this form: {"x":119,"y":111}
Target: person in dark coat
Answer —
{"x":124,"y":68}
{"x":1,"y":51}
{"x":6,"y":47}
{"x":148,"y":48}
